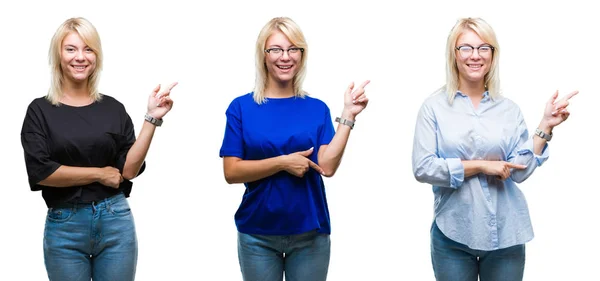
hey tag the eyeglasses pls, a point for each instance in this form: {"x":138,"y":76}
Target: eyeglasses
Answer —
{"x":280,"y":51}
{"x":483,"y":50}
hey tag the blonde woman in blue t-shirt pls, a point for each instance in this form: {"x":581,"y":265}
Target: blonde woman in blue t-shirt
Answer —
{"x":279,"y":142}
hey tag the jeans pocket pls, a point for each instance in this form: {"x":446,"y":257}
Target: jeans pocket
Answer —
{"x":59,"y":214}
{"x":121,"y":208}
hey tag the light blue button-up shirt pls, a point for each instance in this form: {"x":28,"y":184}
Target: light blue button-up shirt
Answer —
{"x":480,"y":211}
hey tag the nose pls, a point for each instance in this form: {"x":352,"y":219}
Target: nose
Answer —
{"x":285,"y":55}
{"x":475,"y":54}
{"x":79,"y":56}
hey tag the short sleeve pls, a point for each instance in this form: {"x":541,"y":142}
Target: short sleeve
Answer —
{"x":233,"y":142}
{"x":327,"y":131}
{"x":35,"y":144}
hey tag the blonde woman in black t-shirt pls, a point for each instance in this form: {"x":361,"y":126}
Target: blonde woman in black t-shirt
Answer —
{"x":81,"y":152}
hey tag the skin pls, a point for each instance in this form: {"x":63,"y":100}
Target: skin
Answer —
{"x":281,"y":71}
{"x":78,"y":61}
{"x":471,"y":73}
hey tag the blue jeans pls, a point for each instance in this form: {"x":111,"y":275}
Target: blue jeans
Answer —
{"x":302,"y":257}
{"x":453,"y":261}
{"x":91,"y":241}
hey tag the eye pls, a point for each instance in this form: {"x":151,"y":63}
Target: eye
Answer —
{"x":465,"y":48}
{"x":89,"y":50}
{"x":69,"y":49}
{"x":294,"y":50}
{"x":275,"y":50}
{"x":485,"y":48}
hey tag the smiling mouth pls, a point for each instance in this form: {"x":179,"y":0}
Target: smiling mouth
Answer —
{"x":475,"y":66}
{"x":284,"y":67}
{"x":79,"y":67}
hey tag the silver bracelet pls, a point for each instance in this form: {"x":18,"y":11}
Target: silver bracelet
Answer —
{"x":345,"y":122}
{"x":154,"y":121}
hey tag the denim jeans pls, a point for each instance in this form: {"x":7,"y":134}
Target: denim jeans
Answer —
{"x":91,"y":241}
{"x":453,"y":261}
{"x":302,"y":257}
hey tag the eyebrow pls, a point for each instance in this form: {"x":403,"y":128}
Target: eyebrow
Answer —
{"x":467,"y":44}
{"x":278,"y":46}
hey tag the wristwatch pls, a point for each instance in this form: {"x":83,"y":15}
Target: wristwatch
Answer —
{"x":345,"y":122}
{"x":154,"y":121}
{"x":543,"y":135}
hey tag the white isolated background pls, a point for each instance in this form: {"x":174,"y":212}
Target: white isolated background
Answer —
{"x":380,"y":214}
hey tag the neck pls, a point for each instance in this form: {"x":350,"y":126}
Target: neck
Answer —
{"x":277,"y":89}
{"x":472,"y":89}
{"x":74,"y":93}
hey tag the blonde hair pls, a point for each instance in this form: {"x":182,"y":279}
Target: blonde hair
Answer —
{"x":292,"y":31}
{"x":90,"y":36}
{"x":487,"y":34}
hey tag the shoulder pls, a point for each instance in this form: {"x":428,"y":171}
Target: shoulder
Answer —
{"x":243,"y":99}
{"x":316,"y":103}
{"x":39,"y":102}
{"x":507,"y":104}
{"x":436,"y":99}
{"x":240,"y":102}
{"x":109,"y":100}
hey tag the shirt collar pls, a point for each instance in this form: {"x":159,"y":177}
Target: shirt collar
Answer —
{"x":486,"y":95}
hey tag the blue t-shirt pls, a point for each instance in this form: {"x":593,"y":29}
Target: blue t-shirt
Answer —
{"x":281,"y":204}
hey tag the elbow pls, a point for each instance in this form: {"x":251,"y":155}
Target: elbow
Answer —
{"x":328,"y":173}
{"x":328,"y":169}
{"x":420,"y":175}
{"x":517,"y":178}
{"x":128,"y":175}
{"x":230,"y":178}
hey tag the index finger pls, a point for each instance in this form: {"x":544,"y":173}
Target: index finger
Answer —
{"x":571,"y":95}
{"x":172,"y":86}
{"x":167,"y":91}
{"x":516,"y":166}
{"x":316,"y":167}
{"x":364,"y":84}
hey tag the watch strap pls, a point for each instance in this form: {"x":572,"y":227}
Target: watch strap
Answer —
{"x":345,"y":122}
{"x":543,"y":135}
{"x":154,"y":121}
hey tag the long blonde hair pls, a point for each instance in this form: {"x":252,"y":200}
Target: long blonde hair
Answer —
{"x":487,"y":34}
{"x":294,"y":34}
{"x":90,"y":36}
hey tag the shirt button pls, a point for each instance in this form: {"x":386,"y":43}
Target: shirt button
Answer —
{"x":492,"y":222}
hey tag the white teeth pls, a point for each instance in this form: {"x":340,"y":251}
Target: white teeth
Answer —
{"x":285,"y":67}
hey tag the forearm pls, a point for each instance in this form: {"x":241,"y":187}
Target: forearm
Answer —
{"x":67,"y":176}
{"x":472,"y":167}
{"x":538,"y":142}
{"x":330,"y":156}
{"x":137,"y":153}
{"x":242,"y":171}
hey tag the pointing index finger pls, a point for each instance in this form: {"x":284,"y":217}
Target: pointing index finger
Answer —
{"x":364,"y":84}
{"x":316,"y":167}
{"x":516,"y":166}
{"x":172,"y":86}
{"x":571,"y":95}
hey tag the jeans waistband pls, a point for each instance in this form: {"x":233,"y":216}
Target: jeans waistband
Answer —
{"x":100,"y":204}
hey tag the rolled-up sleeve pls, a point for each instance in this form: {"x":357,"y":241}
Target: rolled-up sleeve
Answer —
{"x":523,"y":154}
{"x":428,"y":167}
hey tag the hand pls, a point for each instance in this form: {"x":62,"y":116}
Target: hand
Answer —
{"x":160,"y":103}
{"x":298,"y":163}
{"x":556,"y":111}
{"x":355,"y":100}
{"x":110,"y":176}
{"x":501,"y":169}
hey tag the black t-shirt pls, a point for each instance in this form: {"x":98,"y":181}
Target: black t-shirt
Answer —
{"x":96,"y":135}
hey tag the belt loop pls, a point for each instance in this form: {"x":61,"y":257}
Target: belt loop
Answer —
{"x":94,"y":206}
